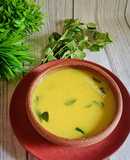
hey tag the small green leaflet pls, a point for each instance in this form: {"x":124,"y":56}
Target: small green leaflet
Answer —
{"x":44,"y":116}
{"x":96,"y":80}
{"x":70,"y":101}
{"x":37,"y":98}
{"x":91,"y":25}
{"x":102,"y":89}
{"x":98,"y":103}
{"x":89,"y":105}
{"x":79,"y":130}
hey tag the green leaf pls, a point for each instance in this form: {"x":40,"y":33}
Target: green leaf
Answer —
{"x":36,"y":100}
{"x":56,"y":36}
{"x":91,"y":25}
{"x":70,"y":101}
{"x":50,"y":57}
{"x":78,"y":54}
{"x":44,"y":116}
{"x":72,"y":46}
{"x":102,"y":89}
{"x":67,"y":54}
{"x":95,"y":48}
{"x":69,"y":23}
{"x":98,"y":103}
{"x":48,"y":51}
{"x":89,"y":105}
{"x":96,"y":79}
{"x":83,"y":43}
{"x":79,"y":130}
{"x":53,"y":38}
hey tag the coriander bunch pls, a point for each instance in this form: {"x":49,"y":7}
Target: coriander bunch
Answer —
{"x":18,"y":18}
{"x":20,"y":15}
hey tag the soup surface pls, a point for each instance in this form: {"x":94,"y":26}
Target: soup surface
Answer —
{"x":73,"y":103}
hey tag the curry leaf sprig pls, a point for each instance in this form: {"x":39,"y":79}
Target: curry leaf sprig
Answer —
{"x":75,"y":38}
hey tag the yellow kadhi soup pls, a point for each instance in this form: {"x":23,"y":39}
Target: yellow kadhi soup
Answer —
{"x":73,"y":103}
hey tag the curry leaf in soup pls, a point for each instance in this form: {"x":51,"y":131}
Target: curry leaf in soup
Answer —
{"x":88,"y":105}
{"x":79,"y":130}
{"x":102,"y":104}
{"x":44,"y":116}
{"x":70,"y":101}
{"x":102,"y":89}
{"x":98,"y":103}
{"x":36,"y":99}
{"x":96,"y":79}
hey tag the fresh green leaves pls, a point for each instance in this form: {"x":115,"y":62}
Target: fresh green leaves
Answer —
{"x":23,"y":16}
{"x":70,"y":101}
{"x":44,"y":116}
{"x":79,"y":130}
{"x":13,"y":53}
{"x":18,"y":18}
{"x":75,"y":38}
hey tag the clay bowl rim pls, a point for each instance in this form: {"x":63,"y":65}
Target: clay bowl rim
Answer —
{"x":84,"y":141}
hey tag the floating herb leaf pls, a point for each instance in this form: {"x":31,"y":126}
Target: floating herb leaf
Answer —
{"x":98,"y":103}
{"x":102,"y":104}
{"x":44,"y":116}
{"x":70,"y":101}
{"x":37,"y":98}
{"x":79,"y":130}
{"x":96,"y":80}
{"x":88,"y":105}
{"x":102,"y":89}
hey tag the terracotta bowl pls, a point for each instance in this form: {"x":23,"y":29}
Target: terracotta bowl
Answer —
{"x":83,"y":65}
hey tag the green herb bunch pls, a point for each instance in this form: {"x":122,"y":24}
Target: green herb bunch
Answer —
{"x":75,"y":38}
{"x":20,"y":15}
{"x":18,"y":18}
{"x":13,"y":53}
